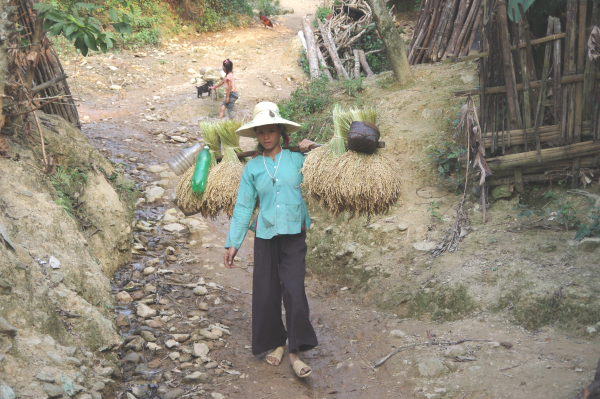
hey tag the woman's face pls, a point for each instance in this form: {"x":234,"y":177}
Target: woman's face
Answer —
{"x":268,"y":136}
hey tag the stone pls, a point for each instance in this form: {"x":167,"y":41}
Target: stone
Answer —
{"x":154,"y":364}
{"x":156,"y":168}
{"x":53,"y":262}
{"x":169,"y":218}
{"x":73,"y":361}
{"x":148,"y":336}
{"x":153,"y":193}
{"x":137,"y":295}
{"x":122,"y":320}
{"x":179,"y":139}
{"x":6,"y":328}
{"x":201,"y":349}
{"x":174,"y":355}
{"x":57,"y":277}
{"x":136,"y":344}
{"x":174,"y":227}
{"x":53,"y":391}
{"x":149,"y":289}
{"x":148,"y":271}
{"x":455,"y":350}
{"x":144,"y":311}
{"x":588,"y":244}
{"x":131,"y":357}
{"x":155,"y":324}
{"x":201,"y":291}
{"x":432,"y":368}
{"x":403,"y":226}
{"x":591,"y":330}
{"x":6,"y":392}
{"x":208,"y":334}
{"x":70,"y":350}
{"x":196,"y":377}
{"x":426,"y":113}
{"x":153,"y":262}
{"x":55,"y":357}
{"x":181,"y":337}
{"x":153,"y":347}
{"x":216,"y":395}
{"x":397,"y":334}
{"x":174,"y":394}
{"x":203,"y":306}
{"x":45,"y":377}
{"x":424,"y":246}
{"x":501,"y":192}
{"x":123,"y":297}
{"x":171,"y":343}
{"x":217,"y":332}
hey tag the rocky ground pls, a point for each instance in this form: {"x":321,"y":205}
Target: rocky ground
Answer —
{"x":185,"y":320}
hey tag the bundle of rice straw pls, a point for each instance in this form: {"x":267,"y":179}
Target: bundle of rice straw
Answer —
{"x":188,"y":201}
{"x":224,"y":178}
{"x":348,"y":181}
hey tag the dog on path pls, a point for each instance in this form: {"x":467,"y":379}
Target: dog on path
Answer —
{"x":205,"y":88}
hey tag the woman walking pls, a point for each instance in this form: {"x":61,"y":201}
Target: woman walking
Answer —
{"x":280,"y":245}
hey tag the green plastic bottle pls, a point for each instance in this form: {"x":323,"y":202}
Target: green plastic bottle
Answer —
{"x":200,"y":176}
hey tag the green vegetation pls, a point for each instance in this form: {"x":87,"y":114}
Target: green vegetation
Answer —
{"x":447,"y":303}
{"x":433,"y":210}
{"x":267,"y":7}
{"x":310,"y":105}
{"x":321,"y":14}
{"x":69,"y":185}
{"x":370,"y":41}
{"x":593,"y":229}
{"x":446,"y":159}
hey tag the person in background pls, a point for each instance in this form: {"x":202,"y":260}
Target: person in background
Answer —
{"x":231,"y":94}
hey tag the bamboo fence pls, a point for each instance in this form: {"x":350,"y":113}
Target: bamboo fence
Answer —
{"x":539,"y":97}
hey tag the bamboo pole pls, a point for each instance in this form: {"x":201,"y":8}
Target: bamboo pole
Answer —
{"x":468,"y":23}
{"x":536,"y":84}
{"x":474,"y":31}
{"x":437,"y":38}
{"x":459,"y":24}
{"x":568,"y":115}
{"x":539,"y":115}
{"x":587,"y":148}
{"x":528,"y":52}
{"x":432,"y":24}
{"x":445,"y":37}
{"x":557,"y":89}
{"x":589,"y":81}
{"x":543,"y":167}
{"x":532,"y":178}
{"x":521,"y":57}
{"x":547,"y":133}
{"x":415,"y":32}
{"x":423,"y":32}
{"x":509,"y":79}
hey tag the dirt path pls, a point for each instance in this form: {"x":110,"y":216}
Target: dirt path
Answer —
{"x":126,"y":125}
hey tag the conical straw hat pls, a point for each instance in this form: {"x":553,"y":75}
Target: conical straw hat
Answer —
{"x":266,"y":113}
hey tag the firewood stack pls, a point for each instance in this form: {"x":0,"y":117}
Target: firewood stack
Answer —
{"x":335,"y":39}
{"x":445,"y":28}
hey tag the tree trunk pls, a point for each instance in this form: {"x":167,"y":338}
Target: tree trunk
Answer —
{"x":393,"y":43}
{"x":365,"y":64}
{"x":311,"y":51}
{"x":337,"y":64}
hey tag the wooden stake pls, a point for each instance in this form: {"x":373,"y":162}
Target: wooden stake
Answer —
{"x":589,"y":81}
{"x":521,"y":57}
{"x":474,"y":31}
{"x":568,"y":115}
{"x":437,"y":8}
{"x":311,"y":48}
{"x":539,"y":116}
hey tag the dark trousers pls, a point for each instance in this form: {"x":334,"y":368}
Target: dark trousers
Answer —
{"x":279,"y":269}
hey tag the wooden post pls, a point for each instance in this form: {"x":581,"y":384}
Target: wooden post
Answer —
{"x":539,"y":115}
{"x":468,"y":23}
{"x":393,"y":43}
{"x":454,"y":4}
{"x":311,"y":51}
{"x":432,"y":24}
{"x":589,"y":80}
{"x":474,"y":31}
{"x":521,"y":57}
{"x":458,"y":25}
{"x":568,"y":114}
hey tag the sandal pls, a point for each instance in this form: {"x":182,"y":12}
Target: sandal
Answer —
{"x":277,"y":354}
{"x":298,"y":366}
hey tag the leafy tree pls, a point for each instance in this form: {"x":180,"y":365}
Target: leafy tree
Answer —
{"x":81,"y":23}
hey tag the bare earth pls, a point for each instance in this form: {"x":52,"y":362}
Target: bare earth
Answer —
{"x":353,"y":334}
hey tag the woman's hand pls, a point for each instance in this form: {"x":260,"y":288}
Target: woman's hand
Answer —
{"x":305,"y":145}
{"x":228,"y":257}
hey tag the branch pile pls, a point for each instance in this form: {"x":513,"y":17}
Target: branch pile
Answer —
{"x":445,"y":28}
{"x":335,"y":40}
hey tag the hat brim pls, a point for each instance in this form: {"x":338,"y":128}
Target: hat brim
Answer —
{"x":248,"y":129}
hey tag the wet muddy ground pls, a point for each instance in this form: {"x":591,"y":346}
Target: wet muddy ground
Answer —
{"x":193,"y":300}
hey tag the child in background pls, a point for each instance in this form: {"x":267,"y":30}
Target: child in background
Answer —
{"x":231,"y":94}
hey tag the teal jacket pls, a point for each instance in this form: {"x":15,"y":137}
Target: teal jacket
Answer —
{"x":282,"y":209}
